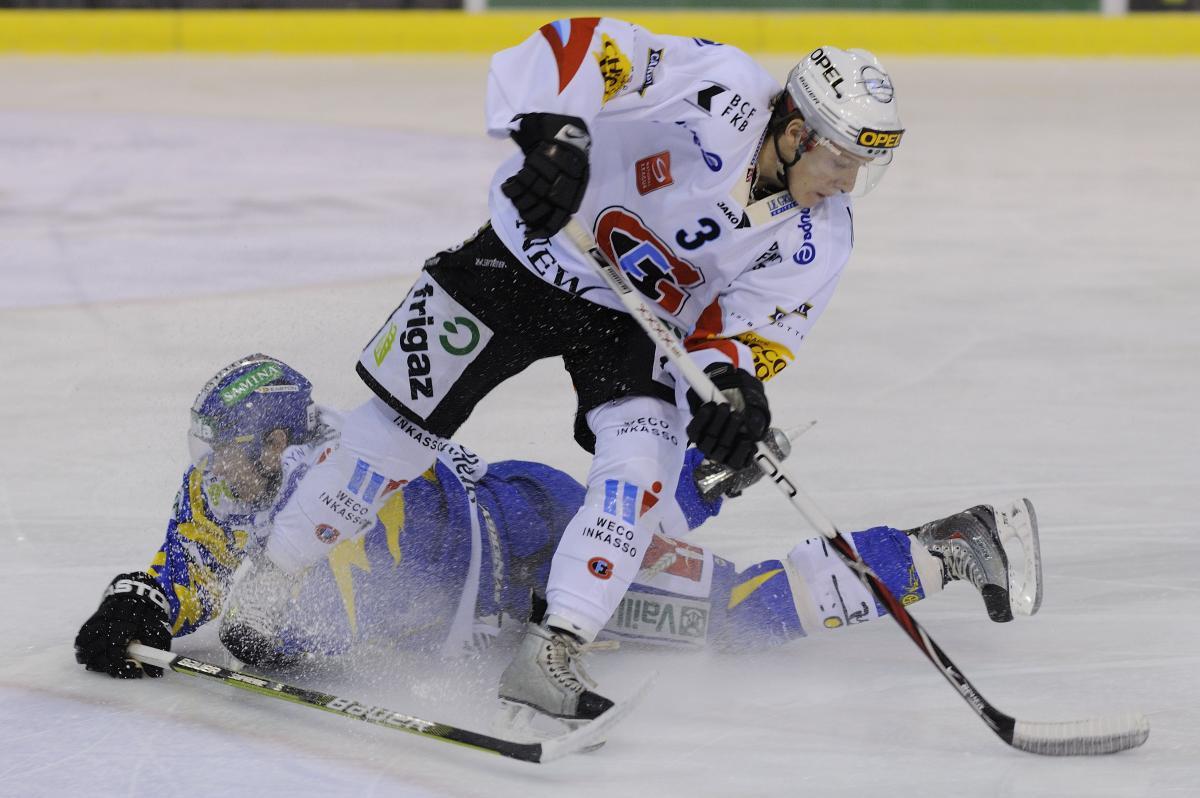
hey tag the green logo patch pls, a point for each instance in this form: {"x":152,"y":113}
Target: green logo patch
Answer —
{"x":247,"y":384}
{"x":385,"y":346}
{"x":472,"y":340}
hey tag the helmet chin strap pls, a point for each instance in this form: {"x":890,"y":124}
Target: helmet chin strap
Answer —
{"x":784,"y":164}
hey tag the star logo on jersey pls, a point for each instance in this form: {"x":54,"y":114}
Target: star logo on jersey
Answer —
{"x":704,"y":98}
{"x":782,"y":312}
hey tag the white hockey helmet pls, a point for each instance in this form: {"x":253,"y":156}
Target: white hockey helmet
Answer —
{"x":847,"y":99}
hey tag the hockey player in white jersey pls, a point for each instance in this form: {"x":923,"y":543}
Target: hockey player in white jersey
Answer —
{"x":723,"y":196}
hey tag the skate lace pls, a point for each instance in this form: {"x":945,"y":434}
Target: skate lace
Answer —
{"x":961,"y":564}
{"x":562,"y":660}
{"x":661,"y":564}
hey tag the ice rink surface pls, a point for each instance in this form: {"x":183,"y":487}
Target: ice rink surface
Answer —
{"x":1019,"y":318}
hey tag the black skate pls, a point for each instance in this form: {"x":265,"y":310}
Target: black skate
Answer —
{"x":996,"y":550}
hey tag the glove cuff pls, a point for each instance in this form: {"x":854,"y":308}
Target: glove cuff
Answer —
{"x":538,"y":128}
{"x":140,"y":588}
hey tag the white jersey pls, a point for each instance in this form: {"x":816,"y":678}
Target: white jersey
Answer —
{"x":676,"y":127}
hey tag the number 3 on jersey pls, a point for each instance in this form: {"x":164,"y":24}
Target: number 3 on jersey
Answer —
{"x":650,"y":263}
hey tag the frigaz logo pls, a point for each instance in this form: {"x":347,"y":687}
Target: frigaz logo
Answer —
{"x":326,"y":534}
{"x":452,"y":327}
{"x":600,"y":568}
{"x":880,"y":139}
{"x":415,"y":341}
{"x":246,"y":384}
{"x":615,"y":68}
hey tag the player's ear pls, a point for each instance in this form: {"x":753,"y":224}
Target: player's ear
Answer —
{"x":794,"y":130}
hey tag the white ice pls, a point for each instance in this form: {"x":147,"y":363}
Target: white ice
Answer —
{"x":1019,"y":318}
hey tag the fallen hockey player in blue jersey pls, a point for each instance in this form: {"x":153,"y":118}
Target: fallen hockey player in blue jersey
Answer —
{"x":455,"y":554}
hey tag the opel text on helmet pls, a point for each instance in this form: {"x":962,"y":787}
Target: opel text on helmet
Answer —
{"x":847,"y":100}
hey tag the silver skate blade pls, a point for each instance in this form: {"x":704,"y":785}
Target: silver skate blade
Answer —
{"x":593,"y":734}
{"x":1018,"y":528}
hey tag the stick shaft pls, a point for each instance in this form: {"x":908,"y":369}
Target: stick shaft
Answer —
{"x":345,"y":707}
{"x":1001,"y":724}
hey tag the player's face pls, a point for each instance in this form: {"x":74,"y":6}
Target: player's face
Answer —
{"x":232,"y":465}
{"x":823,"y":171}
{"x":248,"y":478}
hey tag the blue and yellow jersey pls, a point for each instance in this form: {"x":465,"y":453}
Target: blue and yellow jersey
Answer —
{"x":207,"y":537}
{"x":407,"y":581}
{"x":405,"y":577}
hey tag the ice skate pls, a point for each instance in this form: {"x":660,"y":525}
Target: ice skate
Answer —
{"x":251,"y":628}
{"x":996,"y":550}
{"x":547,"y":679}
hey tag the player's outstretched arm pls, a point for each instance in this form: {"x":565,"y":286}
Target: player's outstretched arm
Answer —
{"x":132,"y":609}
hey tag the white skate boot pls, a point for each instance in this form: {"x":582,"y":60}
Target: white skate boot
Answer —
{"x":546,"y":677}
{"x":996,"y":549}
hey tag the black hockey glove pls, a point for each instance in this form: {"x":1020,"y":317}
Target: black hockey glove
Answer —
{"x":550,"y":185}
{"x":727,"y":433}
{"x":133,"y":608}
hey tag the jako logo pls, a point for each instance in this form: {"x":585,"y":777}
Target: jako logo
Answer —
{"x":452,"y":327}
{"x":600,"y":567}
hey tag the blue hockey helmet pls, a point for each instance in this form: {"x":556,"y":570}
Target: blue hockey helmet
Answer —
{"x":247,"y":400}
